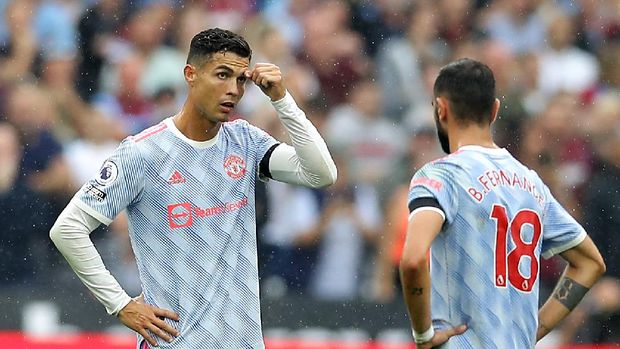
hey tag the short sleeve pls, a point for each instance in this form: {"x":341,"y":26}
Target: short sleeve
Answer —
{"x":435,"y":180}
{"x":560,"y":230}
{"x":117,"y":185}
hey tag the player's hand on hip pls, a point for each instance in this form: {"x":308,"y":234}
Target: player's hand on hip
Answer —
{"x":142,"y":318}
{"x":268,"y":77}
{"x":442,"y":337}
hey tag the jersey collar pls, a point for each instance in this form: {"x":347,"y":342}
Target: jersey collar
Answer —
{"x":196,"y":144}
{"x":481,"y":149}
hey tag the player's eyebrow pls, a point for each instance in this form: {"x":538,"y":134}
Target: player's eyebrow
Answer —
{"x":225,"y":67}
{"x":229,"y":70}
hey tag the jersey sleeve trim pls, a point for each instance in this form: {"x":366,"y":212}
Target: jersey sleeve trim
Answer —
{"x":428,"y":208}
{"x":263,"y":166}
{"x":422,"y":202}
{"x":91,"y":211}
{"x":567,"y":246}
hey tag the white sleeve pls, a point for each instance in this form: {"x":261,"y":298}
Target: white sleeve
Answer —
{"x":70,"y":234}
{"x":308,"y":162}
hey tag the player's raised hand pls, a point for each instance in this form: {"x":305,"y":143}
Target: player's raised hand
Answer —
{"x":441,"y":337}
{"x":142,"y":318}
{"x":268,"y":77}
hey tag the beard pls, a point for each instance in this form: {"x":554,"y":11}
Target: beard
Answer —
{"x":442,"y":134}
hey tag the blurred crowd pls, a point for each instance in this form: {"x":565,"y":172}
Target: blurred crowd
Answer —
{"x":77,"y":76}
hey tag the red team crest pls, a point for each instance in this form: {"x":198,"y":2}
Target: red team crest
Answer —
{"x":234,"y":166}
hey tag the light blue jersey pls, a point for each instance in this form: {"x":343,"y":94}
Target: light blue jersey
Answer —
{"x":500,"y":218}
{"x":192,"y":227}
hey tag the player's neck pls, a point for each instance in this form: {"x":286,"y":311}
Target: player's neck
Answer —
{"x":195,"y":127}
{"x":472,"y":135}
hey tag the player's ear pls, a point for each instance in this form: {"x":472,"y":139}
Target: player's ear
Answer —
{"x":495,"y":110}
{"x":190,"y":74}
{"x":442,"y":108}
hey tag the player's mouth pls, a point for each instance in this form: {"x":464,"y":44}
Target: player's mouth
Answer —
{"x":227,"y":107}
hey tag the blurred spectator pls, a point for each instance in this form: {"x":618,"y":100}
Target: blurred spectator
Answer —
{"x":423,"y":147}
{"x":380,"y":21}
{"x":143,"y":69}
{"x":598,"y":23}
{"x":350,"y":219}
{"x":554,"y":147}
{"x":292,"y":212}
{"x":97,"y":29}
{"x":22,"y":218}
{"x":602,"y":203}
{"x":610,"y":69}
{"x":126,"y":103}
{"x":333,"y":50}
{"x":43,"y":166}
{"x":563,"y":66}
{"x":75,"y":117}
{"x":147,"y":31}
{"x":510,"y":80}
{"x":287,"y":16}
{"x":517,"y":24}
{"x":49,"y":20}
{"x":19,"y":47}
{"x":368,"y":141}
{"x":457,"y":22}
{"x":401,"y":63}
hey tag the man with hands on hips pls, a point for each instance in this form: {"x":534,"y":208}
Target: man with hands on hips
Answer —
{"x":187,"y":185}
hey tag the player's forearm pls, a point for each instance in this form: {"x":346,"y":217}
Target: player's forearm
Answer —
{"x":416,"y":284}
{"x":70,"y":234}
{"x":571,"y":288}
{"x":314,"y":164}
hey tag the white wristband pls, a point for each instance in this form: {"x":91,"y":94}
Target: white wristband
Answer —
{"x":425,"y":336}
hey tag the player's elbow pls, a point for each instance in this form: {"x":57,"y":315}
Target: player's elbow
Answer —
{"x":56,"y":233}
{"x":329,"y":179}
{"x":592,"y":266}
{"x":413,"y":262}
{"x":325,"y":178}
{"x":599,"y":266}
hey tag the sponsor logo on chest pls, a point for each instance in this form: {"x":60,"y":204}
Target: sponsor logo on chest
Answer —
{"x":183,"y":214}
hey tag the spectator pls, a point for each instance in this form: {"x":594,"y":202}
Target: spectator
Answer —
{"x":349,"y":222}
{"x":563,"y":66}
{"x":371,"y":142}
{"x":423,"y":147}
{"x":517,"y":25}
{"x":17,"y":53}
{"x":96,"y":30}
{"x":21,"y":216}
{"x":43,"y":166}
{"x":333,"y":50}
{"x":401,"y":63}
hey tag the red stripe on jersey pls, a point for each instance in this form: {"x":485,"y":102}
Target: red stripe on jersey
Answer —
{"x":149,"y":132}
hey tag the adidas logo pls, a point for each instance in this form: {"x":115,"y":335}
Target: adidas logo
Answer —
{"x":176,"y":178}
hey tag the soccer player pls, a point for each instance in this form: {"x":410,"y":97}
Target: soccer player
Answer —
{"x":188,"y":187}
{"x":487,"y":219}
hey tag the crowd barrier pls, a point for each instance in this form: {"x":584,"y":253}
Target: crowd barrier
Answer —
{"x":18,"y":340}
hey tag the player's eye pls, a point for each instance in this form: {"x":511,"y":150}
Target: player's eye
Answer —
{"x":242,"y":79}
{"x":222,"y":75}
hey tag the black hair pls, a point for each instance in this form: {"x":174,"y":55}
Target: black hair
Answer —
{"x":469,"y":87}
{"x":214,"y":40}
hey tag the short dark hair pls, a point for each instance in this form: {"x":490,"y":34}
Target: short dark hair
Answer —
{"x":214,"y":40}
{"x":470,"y":88}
